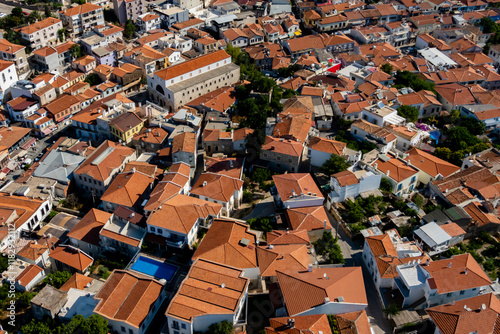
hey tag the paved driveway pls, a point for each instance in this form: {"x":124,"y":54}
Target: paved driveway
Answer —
{"x":263,"y":209}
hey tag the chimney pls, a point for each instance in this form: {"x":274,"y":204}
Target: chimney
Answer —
{"x":324,"y":224}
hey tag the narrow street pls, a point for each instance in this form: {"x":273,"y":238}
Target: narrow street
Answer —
{"x":353,"y":252}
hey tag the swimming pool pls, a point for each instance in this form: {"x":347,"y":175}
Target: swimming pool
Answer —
{"x":154,"y":268}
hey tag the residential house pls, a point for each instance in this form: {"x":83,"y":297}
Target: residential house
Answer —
{"x":402,"y":176}
{"x":467,"y":314}
{"x":296,"y":190}
{"x":150,"y":139}
{"x":124,"y":233}
{"x":129,"y":301}
{"x":129,"y":190}
{"x":54,"y":58}
{"x":16,"y":54}
{"x":98,"y":170}
{"x":48,"y":302}
{"x":349,"y":184}
{"x":41,"y":33}
{"x":8,"y":76}
{"x":21,"y":108}
{"x":221,"y":189}
{"x":147,"y":58}
{"x":434,"y":239}
{"x":124,"y":126}
{"x":322,"y":290}
{"x":194,"y":311}
{"x":85,"y":235}
{"x":453,"y":96}
{"x":443,"y":281}
{"x":69,"y":258}
{"x":85,"y":64}
{"x":127,"y":75}
{"x":282,"y":154}
{"x":147,"y":22}
{"x":128,"y":10}
{"x":29,"y":277}
{"x":425,"y":101}
{"x":430,"y":167}
{"x":382,"y":254}
{"x":176,"y":221}
{"x":184,"y":148}
{"x":236,"y":37}
{"x":408,"y":136}
{"x":321,"y":149}
{"x":206,"y":45}
{"x":82,"y":18}
{"x":62,"y":108}
{"x":227,"y":244}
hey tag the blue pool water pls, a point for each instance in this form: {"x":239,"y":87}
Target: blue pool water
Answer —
{"x":154,"y":268}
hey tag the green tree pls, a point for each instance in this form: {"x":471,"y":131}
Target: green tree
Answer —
{"x":332,"y":320}
{"x":71,"y":326}
{"x":474,"y":126}
{"x":223,"y":327}
{"x":129,"y":29}
{"x":443,"y":153}
{"x":392,"y":309}
{"x":75,"y":51}
{"x":409,"y":113}
{"x":61,"y":34}
{"x":408,"y":79}
{"x":93,"y":79}
{"x":47,"y":11}
{"x":57,"y":279}
{"x":328,"y":247}
{"x":17,"y":11}
{"x":35,"y":327}
{"x":418,"y":200}
{"x":260,"y":224}
{"x":25,"y":298}
{"x":385,"y":185}
{"x":95,"y":324}
{"x":334,"y":165}
{"x":354,"y":212}
{"x":34,"y":16}
{"x":260,"y":175}
{"x":488,"y":25}
{"x":387,"y":68}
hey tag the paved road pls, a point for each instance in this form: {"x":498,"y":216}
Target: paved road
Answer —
{"x":353,"y":251}
{"x":4,"y":8}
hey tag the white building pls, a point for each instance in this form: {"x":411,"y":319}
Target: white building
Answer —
{"x":8,"y":76}
{"x":401,"y":174}
{"x":381,"y":115}
{"x":147,"y":22}
{"x":80,"y":19}
{"x":296,"y":190}
{"x":41,"y":33}
{"x":349,"y":184}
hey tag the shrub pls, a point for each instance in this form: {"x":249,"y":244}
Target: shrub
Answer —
{"x":57,"y":279}
{"x":261,"y":224}
{"x":247,"y":196}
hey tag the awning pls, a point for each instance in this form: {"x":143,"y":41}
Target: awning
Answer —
{"x":22,"y":153}
{"x":6,"y":170}
{"x":298,"y":33}
{"x":29,"y":143}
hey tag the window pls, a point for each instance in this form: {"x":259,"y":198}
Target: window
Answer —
{"x":183,"y":326}
{"x":123,"y":329}
{"x":400,"y":186}
{"x":130,"y":331}
{"x":413,"y":179}
{"x":160,"y":231}
{"x":152,"y":229}
{"x":462,"y":292}
{"x":448,"y":294}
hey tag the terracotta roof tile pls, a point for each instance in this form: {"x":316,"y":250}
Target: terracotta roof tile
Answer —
{"x":461,"y":272}
{"x":309,"y":218}
{"x":72,"y":257}
{"x":288,"y":184}
{"x":223,"y":244}
{"x":202,"y":293}
{"x":278,"y":237}
{"x":305,"y":290}
{"x":89,"y":226}
{"x":77,"y":281}
{"x":127,"y":188}
{"x":282,"y":257}
{"x":127,"y":297}
{"x":314,"y":324}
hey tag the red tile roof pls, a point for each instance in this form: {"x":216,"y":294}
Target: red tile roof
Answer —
{"x":223,"y":244}
{"x":278,"y":237}
{"x":309,"y":218}
{"x":275,"y":258}
{"x":296,"y":183}
{"x":28,"y":274}
{"x":209,"y":289}
{"x":127,"y":297}
{"x":89,"y":226}
{"x":305,"y":290}
{"x":77,"y":281}
{"x":216,"y":186}
{"x":461,"y":272}
{"x":314,"y":324}
{"x":72,"y":257}
{"x":479,"y":314}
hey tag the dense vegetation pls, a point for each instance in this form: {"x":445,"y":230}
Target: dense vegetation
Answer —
{"x":328,"y":247}
{"x":408,"y":79}
{"x":335,"y":164}
{"x":95,"y":324}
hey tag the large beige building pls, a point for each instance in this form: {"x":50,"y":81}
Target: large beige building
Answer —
{"x":82,"y":18}
{"x":16,"y":54}
{"x":41,"y":33}
{"x":177,"y":85}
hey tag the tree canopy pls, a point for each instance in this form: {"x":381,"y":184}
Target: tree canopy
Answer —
{"x":408,"y":79}
{"x":335,"y":164}
{"x":57,"y":279}
{"x":129,"y":29}
{"x":95,"y":324}
{"x":223,"y":327}
{"x":328,"y":247}
{"x":409,"y":113}
{"x":387,"y":68}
